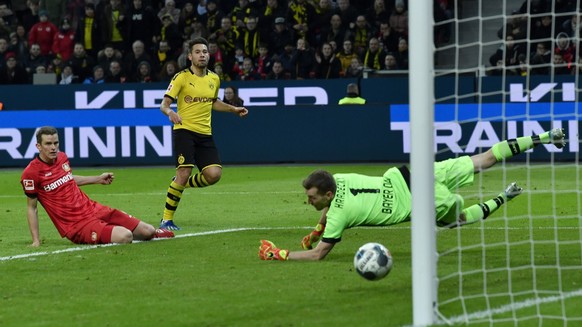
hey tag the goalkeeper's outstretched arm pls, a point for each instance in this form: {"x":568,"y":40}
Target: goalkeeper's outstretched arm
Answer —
{"x":318,"y":253}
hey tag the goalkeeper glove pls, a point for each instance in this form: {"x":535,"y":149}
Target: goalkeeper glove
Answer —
{"x":307,"y":242}
{"x":268,"y":251}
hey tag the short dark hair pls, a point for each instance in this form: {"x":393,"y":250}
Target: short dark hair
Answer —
{"x":322,"y":180}
{"x":45,"y":130}
{"x":197,"y":40}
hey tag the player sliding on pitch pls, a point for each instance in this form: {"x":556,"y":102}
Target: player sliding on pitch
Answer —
{"x":349,"y":200}
{"x":49,"y":179}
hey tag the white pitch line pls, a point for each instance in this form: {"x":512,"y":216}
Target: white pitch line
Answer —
{"x":90,"y":247}
{"x":510,"y":307}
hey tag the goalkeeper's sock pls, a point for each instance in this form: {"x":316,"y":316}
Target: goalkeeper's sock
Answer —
{"x":172,"y":200}
{"x":482,"y":210}
{"x":197,"y":180}
{"x":509,"y":148}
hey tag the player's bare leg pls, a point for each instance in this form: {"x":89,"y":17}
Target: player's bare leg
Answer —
{"x":121,"y":234}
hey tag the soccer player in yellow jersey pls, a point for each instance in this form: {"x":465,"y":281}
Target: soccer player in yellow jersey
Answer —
{"x":196,"y":91}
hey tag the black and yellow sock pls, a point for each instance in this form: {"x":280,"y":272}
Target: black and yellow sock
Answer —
{"x":509,"y":148}
{"x":481,"y":211}
{"x":197,"y":180}
{"x":172,"y":200}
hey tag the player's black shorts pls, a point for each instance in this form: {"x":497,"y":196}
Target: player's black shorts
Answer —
{"x":192,"y":149}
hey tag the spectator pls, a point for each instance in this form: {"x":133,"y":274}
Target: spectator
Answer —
{"x":507,"y":54}
{"x":43,"y":34}
{"x":277,"y":72}
{"x":98,"y":76}
{"x":188,"y":15}
{"x":231,"y":97}
{"x":212,"y":18}
{"x":347,"y":13}
{"x":327,"y":66}
{"x":55,"y":66}
{"x":299,"y":15}
{"x":377,"y":14}
{"x":144,"y":73}
{"x":7,"y":17}
{"x":271,"y":12}
{"x":399,"y":18}
{"x":34,"y":59}
{"x":183,"y":61}
{"x":168,"y":70}
{"x":214,"y":52}
{"x":560,"y":67}
{"x":403,"y":53}
{"x":373,"y":58}
{"x":88,"y":31}
{"x":388,"y":37}
{"x":30,"y":16}
{"x":226,"y":38}
{"x":247,"y":71}
{"x":542,"y":28}
{"x":67,"y":76}
{"x":334,"y":31}
{"x":132,"y":60}
{"x":115,"y":73}
{"x":81,"y":63}
{"x":352,"y":96}
{"x":564,"y":47}
{"x":241,"y":13}
{"x":64,"y":40}
{"x":516,"y":27}
{"x":346,"y":55}
{"x":112,"y":22}
{"x":163,"y":54}
{"x":303,"y":60}
{"x":263,"y":62}
{"x":323,"y":12}
{"x":280,"y":36}
{"x":198,"y":30}
{"x":286,"y":58}
{"x":572,"y":27}
{"x":3,"y":51}
{"x":18,"y":44}
{"x":390,"y":62}
{"x":362,"y":32}
{"x":142,"y":24}
{"x":356,"y":69}
{"x":170,"y":9}
{"x":107,"y":55}
{"x":219,"y":70}
{"x":11,"y":72}
{"x":169,"y":32}
{"x":542,"y":51}
{"x":523,"y":69}
{"x":250,"y":37}
{"x":56,"y":9}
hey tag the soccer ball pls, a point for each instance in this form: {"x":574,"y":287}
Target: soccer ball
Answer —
{"x":373,"y":261}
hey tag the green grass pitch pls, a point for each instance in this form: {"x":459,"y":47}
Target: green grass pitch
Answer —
{"x":211,"y":275}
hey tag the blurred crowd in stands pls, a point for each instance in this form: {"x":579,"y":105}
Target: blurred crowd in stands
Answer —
{"x":141,"y":41}
{"x":541,"y":37}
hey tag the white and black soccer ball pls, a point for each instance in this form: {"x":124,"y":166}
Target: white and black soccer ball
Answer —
{"x":373,"y":261}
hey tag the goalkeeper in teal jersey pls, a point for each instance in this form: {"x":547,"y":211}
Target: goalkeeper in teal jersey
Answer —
{"x":349,"y":200}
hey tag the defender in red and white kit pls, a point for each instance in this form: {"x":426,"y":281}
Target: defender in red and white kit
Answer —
{"x":49,"y":179}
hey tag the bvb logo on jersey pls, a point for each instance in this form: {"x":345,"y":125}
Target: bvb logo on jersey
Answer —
{"x":211,"y":86}
{"x":66,"y":167}
{"x":181,"y":159}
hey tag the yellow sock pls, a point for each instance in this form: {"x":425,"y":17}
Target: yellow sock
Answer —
{"x":172,"y":200}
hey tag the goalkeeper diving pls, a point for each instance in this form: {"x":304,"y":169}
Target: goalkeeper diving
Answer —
{"x":350,"y":200}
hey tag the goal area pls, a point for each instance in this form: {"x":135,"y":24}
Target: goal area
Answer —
{"x":505,"y":69}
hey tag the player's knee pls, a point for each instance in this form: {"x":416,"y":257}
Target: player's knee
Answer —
{"x":212,"y":176}
{"x":121,"y":235}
